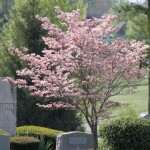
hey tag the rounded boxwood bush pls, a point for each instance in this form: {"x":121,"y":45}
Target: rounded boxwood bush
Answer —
{"x":24,"y":143}
{"x":49,"y":135}
{"x":126,"y":133}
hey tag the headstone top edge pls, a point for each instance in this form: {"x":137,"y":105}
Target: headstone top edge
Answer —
{"x":73,"y":132}
{"x":5,"y":135}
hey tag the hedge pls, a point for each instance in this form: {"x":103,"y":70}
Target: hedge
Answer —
{"x":49,"y":135}
{"x":126,"y":133}
{"x":24,"y":143}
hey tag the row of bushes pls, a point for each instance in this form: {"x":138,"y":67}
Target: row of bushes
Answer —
{"x":33,"y":137}
{"x":41,"y":133}
{"x":24,"y":143}
{"x":126,"y":133}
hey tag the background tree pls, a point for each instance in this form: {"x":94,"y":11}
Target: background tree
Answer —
{"x":96,"y":8}
{"x":136,"y":28}
{"x":24,"y":30}
{"x":78,"y":70}
{"x":134,"y":16}
{"x":141,"y":12}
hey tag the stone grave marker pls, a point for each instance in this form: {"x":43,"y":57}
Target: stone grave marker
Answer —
{"x":4,"y":142}
{"x":7,"y":106}
{"x":74,"y":141}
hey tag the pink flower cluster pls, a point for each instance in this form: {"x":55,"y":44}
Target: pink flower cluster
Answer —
{"x":57,"y":105}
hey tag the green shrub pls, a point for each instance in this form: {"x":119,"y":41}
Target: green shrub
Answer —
{"x":126,"y":133}
{"x":24,"y":143}
{"x":45,"y":146}
{"x":102,"y":145}
{"x":49,"y":135}
{"x":2,"y":132}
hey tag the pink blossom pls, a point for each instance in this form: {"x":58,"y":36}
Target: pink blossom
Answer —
{"x":57,"y":9}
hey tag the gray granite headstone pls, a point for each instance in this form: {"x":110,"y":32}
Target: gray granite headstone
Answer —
{"x":74,"y":141}
{"x":4,"y":142}
{"x":7,"y":106}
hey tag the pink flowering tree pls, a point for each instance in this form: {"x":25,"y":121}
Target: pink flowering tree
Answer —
{"x":79,"y":68}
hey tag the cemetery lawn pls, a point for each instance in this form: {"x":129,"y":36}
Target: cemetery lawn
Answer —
{"x":137,"y":102}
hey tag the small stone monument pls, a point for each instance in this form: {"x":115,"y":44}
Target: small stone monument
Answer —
{"x":4,"y":142}
{"x":7,"y":106}
{"x":74,"y":141}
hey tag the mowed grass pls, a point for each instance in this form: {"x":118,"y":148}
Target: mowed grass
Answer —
{"x":137,"y":102}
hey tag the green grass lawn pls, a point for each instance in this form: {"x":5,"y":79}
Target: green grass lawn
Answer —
{"x":138,"y":102}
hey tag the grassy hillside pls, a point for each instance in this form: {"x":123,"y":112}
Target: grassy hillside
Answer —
{"x":137,"y":102}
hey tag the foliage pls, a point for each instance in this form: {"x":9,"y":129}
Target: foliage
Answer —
{"x":24,"y":143}
{"x":136,"y":28}
{"x":135,"y":17}
{"x":125,"y":9}
{"x":64,"y":120}
{"x":2,"y":132}
{"x":37,"y":131}
{"x":126,"y":133}
{"x":45,"y":145}
{"x":102,"y":145}
{"x":78,"y":67}
{"x":46,"y":134}
{"x":24,"y":30}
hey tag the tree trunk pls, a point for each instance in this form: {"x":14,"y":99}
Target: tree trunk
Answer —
{"x":149,"y":89}
{"x":148,"y":16}
{"x":95,"y":136}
